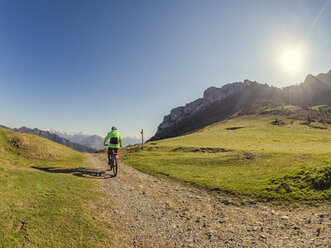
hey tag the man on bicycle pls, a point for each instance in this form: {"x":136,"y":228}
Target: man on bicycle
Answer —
{"x":115,"y":141}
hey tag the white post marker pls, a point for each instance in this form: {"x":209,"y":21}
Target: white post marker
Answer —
{"x":142,"y":139}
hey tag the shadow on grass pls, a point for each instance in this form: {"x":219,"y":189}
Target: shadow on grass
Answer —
{"x":79,"y":172}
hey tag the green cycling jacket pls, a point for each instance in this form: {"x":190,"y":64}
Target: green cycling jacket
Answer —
{"x":113,"y":134}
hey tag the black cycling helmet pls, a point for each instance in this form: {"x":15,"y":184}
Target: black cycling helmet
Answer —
{"x":113,"y":128}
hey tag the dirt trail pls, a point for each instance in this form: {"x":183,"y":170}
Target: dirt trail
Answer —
{"x":153,"y":212}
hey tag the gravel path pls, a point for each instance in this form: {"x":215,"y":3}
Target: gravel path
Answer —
{"x":153,"y":212}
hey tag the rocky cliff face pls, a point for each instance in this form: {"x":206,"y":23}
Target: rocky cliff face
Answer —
{"x":315,"y":90}
{"x":214,"y":94}
{"x":219,"y":103}
{"x":210,"y":96}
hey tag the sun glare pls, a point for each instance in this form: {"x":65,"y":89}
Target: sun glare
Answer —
{"x":292,"y":60}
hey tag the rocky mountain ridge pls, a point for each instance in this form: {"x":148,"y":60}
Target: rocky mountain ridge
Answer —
{"x":220,"y":103}
{"x":210,"y":95}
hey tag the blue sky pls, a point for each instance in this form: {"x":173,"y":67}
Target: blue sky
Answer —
{"x":88,"y":65}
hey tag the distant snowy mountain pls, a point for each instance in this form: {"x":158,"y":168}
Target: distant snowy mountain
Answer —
{"x":93,"y":141}
{"x":132,"y":140}
{"x":3,"y":126}
{"x":54,"y":137}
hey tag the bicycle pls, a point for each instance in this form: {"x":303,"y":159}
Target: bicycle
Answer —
{"x":112,"y":162}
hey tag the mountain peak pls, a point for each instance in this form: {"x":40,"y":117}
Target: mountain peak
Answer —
{"x":309,"y":78}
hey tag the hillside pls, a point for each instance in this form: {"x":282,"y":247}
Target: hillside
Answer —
{"x":218,"y":104}
{"x":267,"y":152}
{"x":39,"y":206}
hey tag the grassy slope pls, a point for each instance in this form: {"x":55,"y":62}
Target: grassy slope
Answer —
{"x":44,"y":209}
{"x":291,"y":161}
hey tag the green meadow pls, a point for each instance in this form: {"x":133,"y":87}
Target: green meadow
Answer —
{"x":251,"y":155}
{"x":43,"y":209}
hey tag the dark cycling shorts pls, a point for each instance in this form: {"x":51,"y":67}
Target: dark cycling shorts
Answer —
{"x":116,"y":151}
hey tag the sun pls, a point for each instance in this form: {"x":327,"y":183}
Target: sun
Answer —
{"x":292,"y":60}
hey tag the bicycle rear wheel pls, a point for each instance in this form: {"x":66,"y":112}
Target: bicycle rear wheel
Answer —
{"x":115,"y":166}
